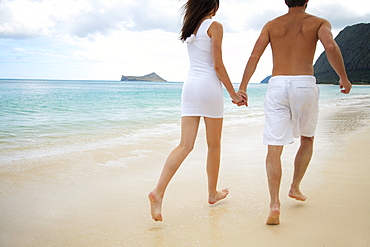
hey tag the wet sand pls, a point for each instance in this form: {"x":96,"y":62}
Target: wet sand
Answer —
{"x":110,"y":207}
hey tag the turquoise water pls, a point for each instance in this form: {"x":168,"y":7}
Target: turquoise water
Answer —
{"x":51,"y":117}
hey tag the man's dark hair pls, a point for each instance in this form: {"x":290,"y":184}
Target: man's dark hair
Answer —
{"x":295,"y":3}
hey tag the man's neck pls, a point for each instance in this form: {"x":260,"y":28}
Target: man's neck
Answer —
{"x":297,"y":10}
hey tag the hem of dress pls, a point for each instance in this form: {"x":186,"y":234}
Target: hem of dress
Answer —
{"x":199,"y":115}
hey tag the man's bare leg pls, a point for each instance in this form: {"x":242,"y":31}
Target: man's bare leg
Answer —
{"x":189,"y":129}
{"x":273,"y":168}
{"x":301,"y":162}
{"x":213,"y":134}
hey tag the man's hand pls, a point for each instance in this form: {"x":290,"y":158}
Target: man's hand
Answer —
{"x":236,"y":98}
{"x":244,"y":96}
{"x":345,"y":86}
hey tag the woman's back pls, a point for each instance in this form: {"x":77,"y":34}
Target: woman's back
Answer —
{"x":200,"y":50}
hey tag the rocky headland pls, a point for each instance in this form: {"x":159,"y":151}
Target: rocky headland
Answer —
{"x":150,"y":77}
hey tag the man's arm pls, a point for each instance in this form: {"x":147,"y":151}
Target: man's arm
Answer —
{"x":259,"y":47}
{"x":334,"y":55}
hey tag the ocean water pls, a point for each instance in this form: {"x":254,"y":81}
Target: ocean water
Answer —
{"x":48,"y":120}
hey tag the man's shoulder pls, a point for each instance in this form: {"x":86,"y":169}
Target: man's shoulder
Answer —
{"x":278,"y":20}
{"x":316,"y":22}
{"x":315,"y":18}
{"x":287,"y":18}
{"x":273,"y":22}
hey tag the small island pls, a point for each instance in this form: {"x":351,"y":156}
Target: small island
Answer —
{"x":150,"y":77}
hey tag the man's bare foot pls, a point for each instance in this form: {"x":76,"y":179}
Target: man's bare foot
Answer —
{"x":296,"y":194}
{"x":155,"y":206}
{"x":219,"y":196}
{"x":273,"y":218}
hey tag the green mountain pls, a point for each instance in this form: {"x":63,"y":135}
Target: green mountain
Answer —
{"x":354,"y":42}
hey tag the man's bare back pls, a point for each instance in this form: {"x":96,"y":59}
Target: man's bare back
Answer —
{"x":293,"y":38}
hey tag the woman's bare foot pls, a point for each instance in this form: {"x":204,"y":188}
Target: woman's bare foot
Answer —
{"x":155,"y":206}
{"x":296,"y":194}
{"x":218,"y":196}
{"x":274,"y":217}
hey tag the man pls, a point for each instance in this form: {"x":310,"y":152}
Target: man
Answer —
{"x":291,"y":104}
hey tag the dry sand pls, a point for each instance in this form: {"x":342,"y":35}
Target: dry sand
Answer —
{"x":110,"y":208}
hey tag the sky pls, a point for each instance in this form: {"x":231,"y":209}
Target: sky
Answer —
{"x":104,"y":39}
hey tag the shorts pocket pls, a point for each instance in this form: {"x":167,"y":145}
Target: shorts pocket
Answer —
{"x":276,"y":96}
{"x":306,"y":89}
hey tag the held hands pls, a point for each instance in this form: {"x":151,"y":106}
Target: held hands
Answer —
{"x":244,"y":95}
{"x":240,"y":98}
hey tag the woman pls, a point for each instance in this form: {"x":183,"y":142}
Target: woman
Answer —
{"x":202,"y":96}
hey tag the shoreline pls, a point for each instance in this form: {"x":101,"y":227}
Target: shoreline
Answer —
{"x":108,"y":206}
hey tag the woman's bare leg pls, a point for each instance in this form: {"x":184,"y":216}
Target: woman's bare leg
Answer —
{"x":213,"y":133}
{"x":189,"y":130}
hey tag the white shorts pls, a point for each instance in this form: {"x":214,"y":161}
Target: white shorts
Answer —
{"x":291,"y":109}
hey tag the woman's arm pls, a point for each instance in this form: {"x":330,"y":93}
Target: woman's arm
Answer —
{"x":215,"y":31}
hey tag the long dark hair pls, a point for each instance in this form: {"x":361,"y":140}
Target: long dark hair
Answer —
{"x":194,"y":11}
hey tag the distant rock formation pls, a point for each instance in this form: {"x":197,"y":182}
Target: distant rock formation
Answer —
{"x":266,"y":80}
{"x":150,"y":77}
{"x":354,"y":42}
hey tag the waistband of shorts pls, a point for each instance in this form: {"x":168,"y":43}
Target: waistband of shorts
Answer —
{"x":306,"y":79}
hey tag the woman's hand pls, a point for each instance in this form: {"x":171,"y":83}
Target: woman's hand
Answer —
{"x":244,"y":97}
{"x":239,"y":99}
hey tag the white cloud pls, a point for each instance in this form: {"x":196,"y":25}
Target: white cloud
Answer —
{"x":136,"y":53}
{"x":26,"y":18}
{"x":342,"y":14}
{"x":95,"y":39}
{"x":19,"y":19}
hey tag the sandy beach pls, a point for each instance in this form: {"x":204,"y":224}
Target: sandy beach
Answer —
{"x":110,"y":207}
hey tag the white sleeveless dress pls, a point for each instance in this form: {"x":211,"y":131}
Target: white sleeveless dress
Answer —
{"x":202,"y":93}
